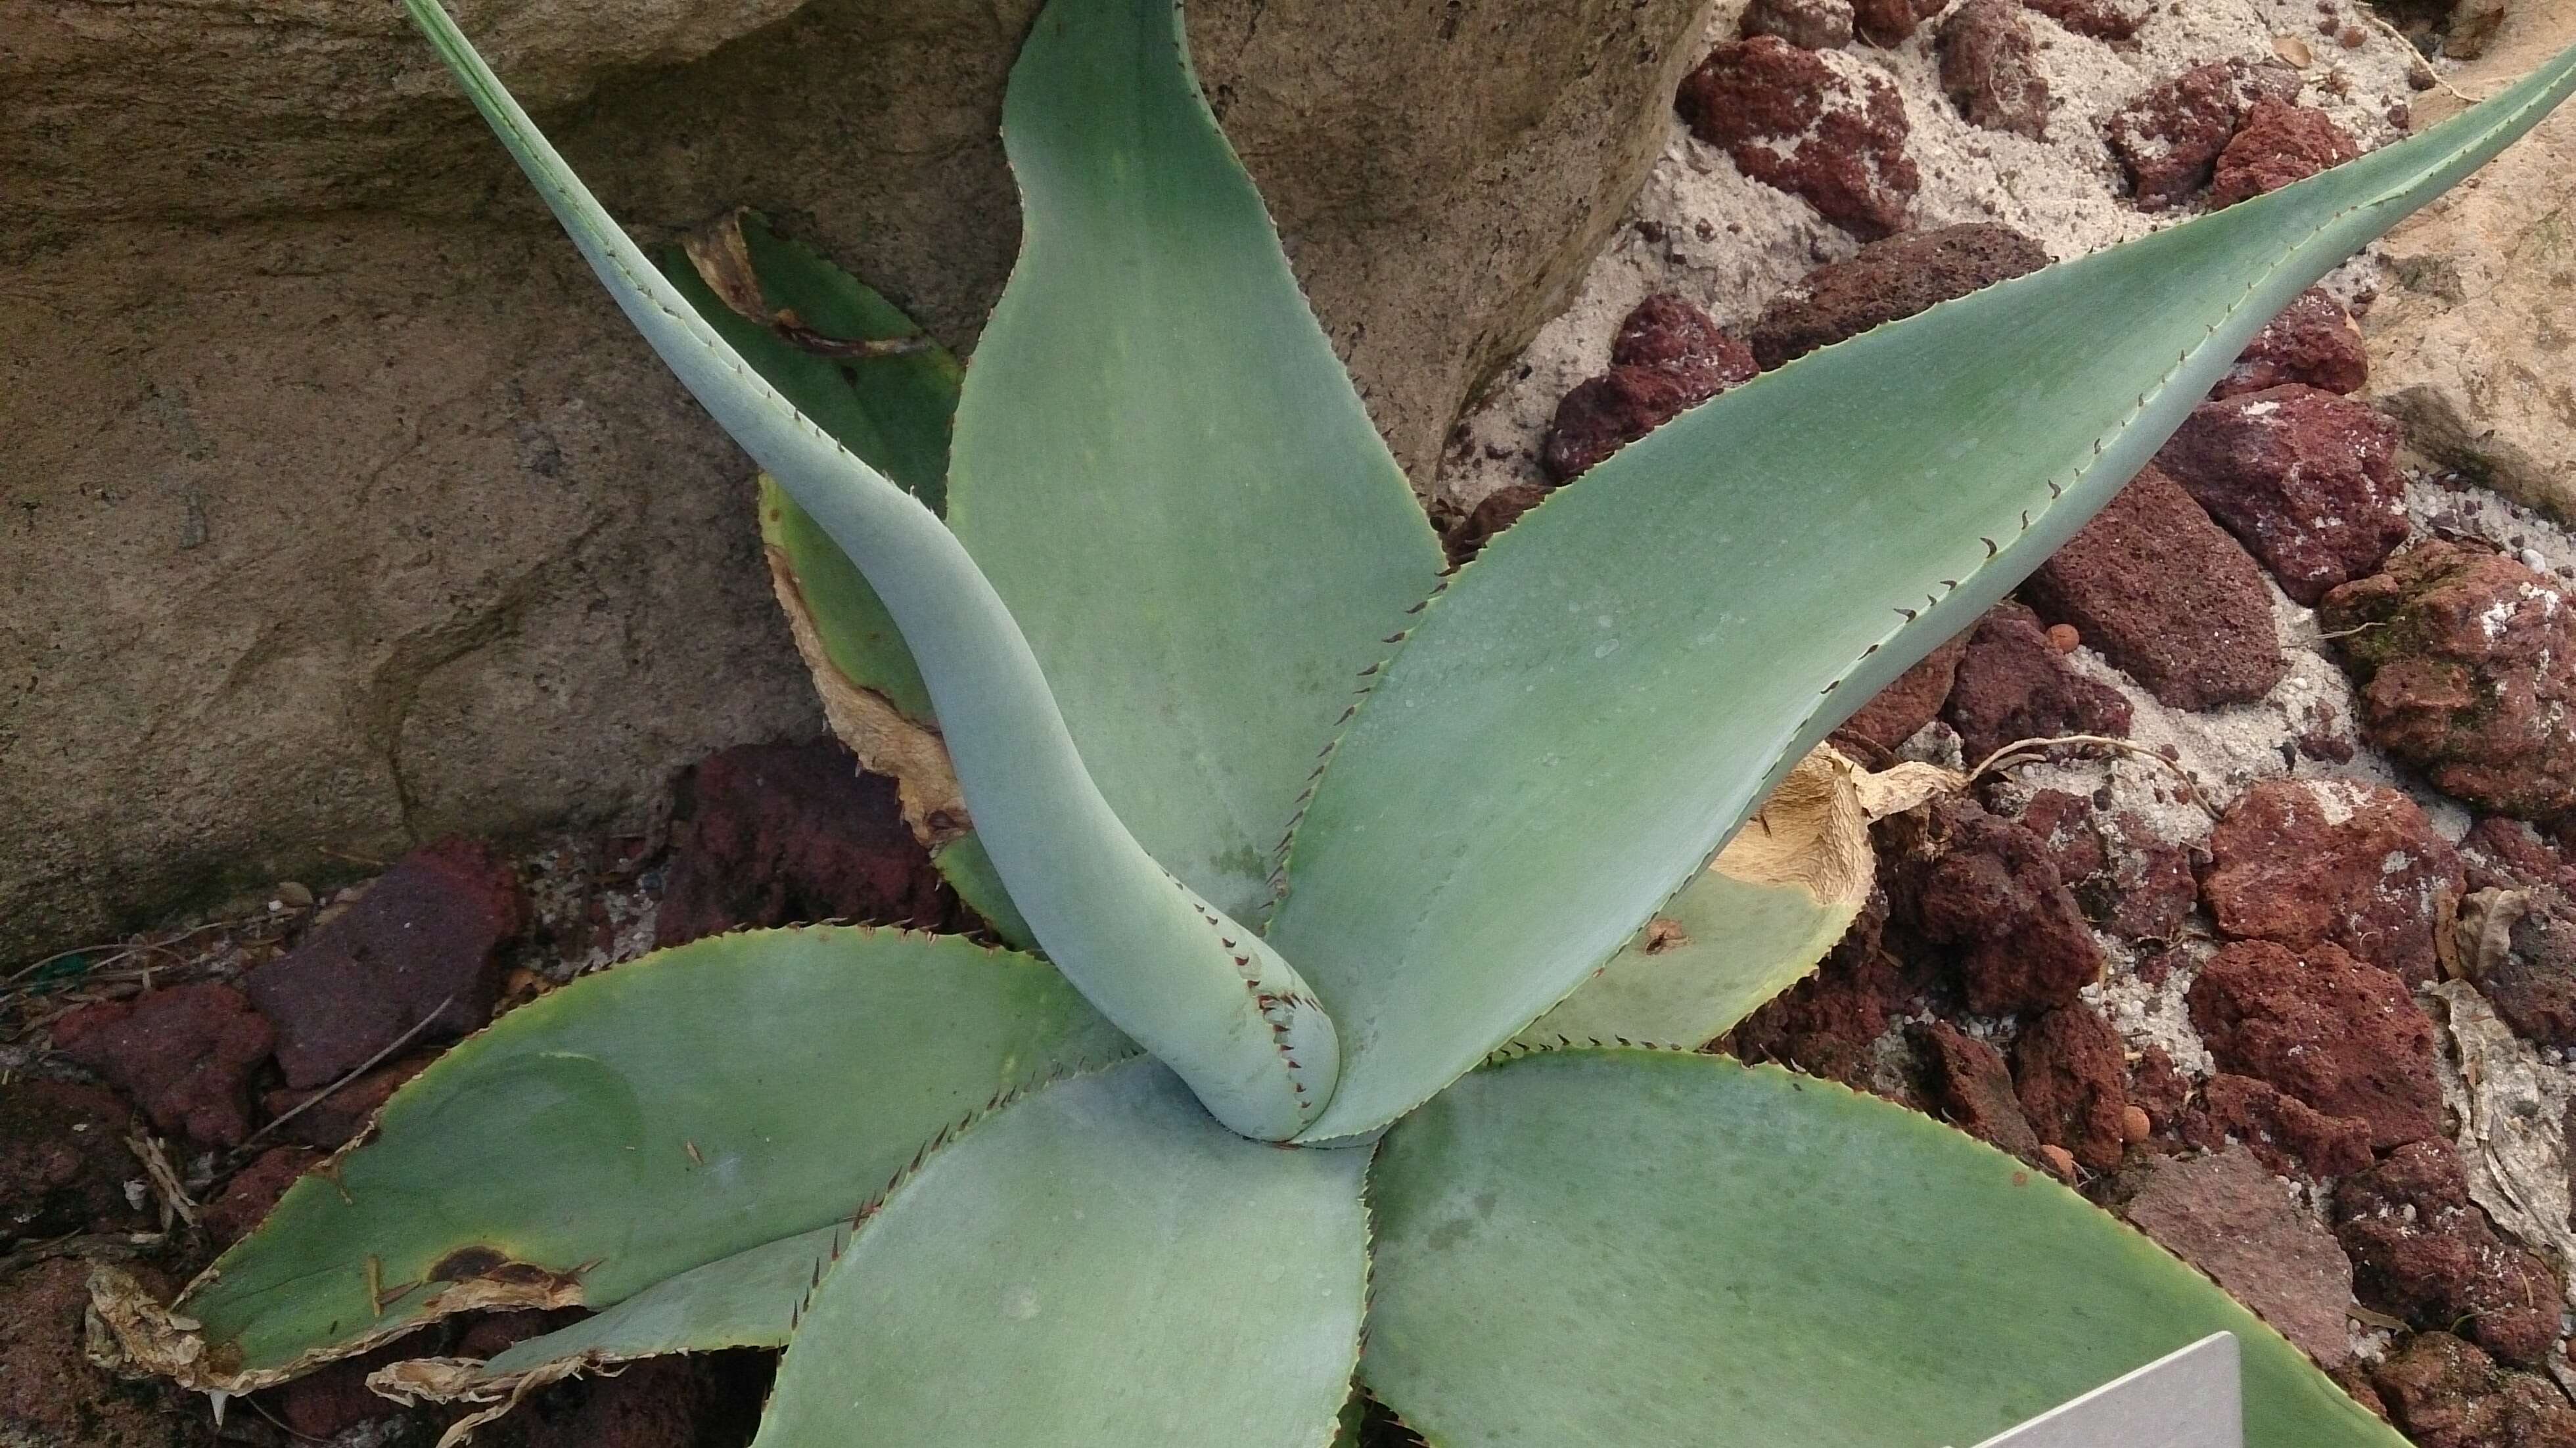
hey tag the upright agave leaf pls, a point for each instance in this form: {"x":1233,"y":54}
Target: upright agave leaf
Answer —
{"x":1163,"y":466}
{"x":1199,"y":990}
{"x":1565,"y":738}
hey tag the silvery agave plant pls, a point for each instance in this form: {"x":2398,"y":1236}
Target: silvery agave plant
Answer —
{"x":1324,"y":1064}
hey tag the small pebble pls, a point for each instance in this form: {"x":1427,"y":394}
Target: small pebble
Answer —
{"x":2059,"y":1161}
{"x":294,"y":896}
{"x":2134,"y":1125}
{"x":2063,"y":637}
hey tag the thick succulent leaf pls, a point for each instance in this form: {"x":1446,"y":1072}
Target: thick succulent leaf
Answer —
{"x":1161,"y":463}
{"x":1649,"y":1248}
{"x":1198,"y":990}
{"x":894,"y":412}
{"x":1098,"y":1263}
{"x":638,"y":1123}
{"x":1743,"y":930}
{"x":1592,"y":707}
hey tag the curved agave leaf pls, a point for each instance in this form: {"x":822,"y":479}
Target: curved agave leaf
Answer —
{"x":1162,"y":465}
{"x":1651,"y":1247}
{"x":893,"y":410}
{"x":1589,"y":710}
{"x":636,"y":1124}
{"x":1198,"y":990}
{"x":1098,"y":1263}
{"x":1743,"y":930}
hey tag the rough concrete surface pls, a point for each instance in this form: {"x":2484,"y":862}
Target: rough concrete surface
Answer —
{"x":341,"y":511}
{"x":2492,"y":261}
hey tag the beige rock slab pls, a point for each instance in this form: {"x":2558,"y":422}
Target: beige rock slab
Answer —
{"x":337,"y":509}
{"x":2473,"y":344}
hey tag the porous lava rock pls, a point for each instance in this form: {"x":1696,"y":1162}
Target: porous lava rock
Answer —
{"x":64,"y":1165}
{"x":2426,"y":1252}
{"x":2167,"y":596}
{"x":2070,"y":1075}
{"x":1910,"y":701}
{"x":2013,"y":684}
{"x":2306,"y":479}
{"x":777,"y":834}
{"x":2313,"y":341}
{"x":185,"y":1055}
{"x":2228,"y":1215}
{"x":334,"y":1398}
{"x":1985,"y":891}
{"x":50,"y":1392}
{"x":1990,"y":67}
{"x":2447,"y":1394}
{"x":1886,"y":280}
{"x":2519,"y":948}
{"x":2308,"y":861}
{"x":2100,"y":19}
{"x":1807,"y":24}
{"x":667,"y":1402}
{"x":1668,"y":357}
{"x":2169,"y":138}
{"x":1967,"y":1084}
{"x":1887,"y":23}
{"x":1815,"y":124}
{"x":418,"y":956}
{"x":1465,"y":537}
{"x":2499,"y":853}
{"x":328,"y":1120}
{"x":2466,"y":662}
{"x":2278,"y":144}
{"x":2285,"y":1134}
{"x":2344,"y":1037}
{"x":250,"y":1192}
{"x":2126,"y":878}
{"x":1828,"y":1024}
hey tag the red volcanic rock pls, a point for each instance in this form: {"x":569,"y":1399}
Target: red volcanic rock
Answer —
{"x":253,"y":1190}
{"x":1466,"y":537}
{"x":2301,"y":861}
{"x":2307,"y":480}
{"x":2101,"y":19}
{"x":2278,"y":144}
{"x":2425,"y":1251}
{"x":1828,"y":1024}
{"x":2227,"y":1215}
{"x":2313,"y":341}
{"x":2166,"y":595}
{"x":2071,"y":1077}
{"x":1807,"y":24}
{"x":1986,"y":890}
{"x":422,"y":945}
{"x":1886,"y":280}
{"x":2013,"y":684}
{"x":1968,"y":1086}
{"x":2126,"y":879}
{"x":1908,"y":703}
{"x":2507,"y":854}
{"x":1828,"y":130}
{"x":2344,"y":1037}
{"x":2170,"y":137}
{"x":1669,"y":357}
{"x":2286,"y":1134}
{"x":1990,"y":67}
{"x":2447,"y":1394}
{"x":779,"y":834}
{"x":1890,"y":22}
{"x":184,"y":1055}
{"x":328,"y":1121}
{"x":2531,"y":980}
{"x":63,"y":1162}
{"x":2467,"y":667}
